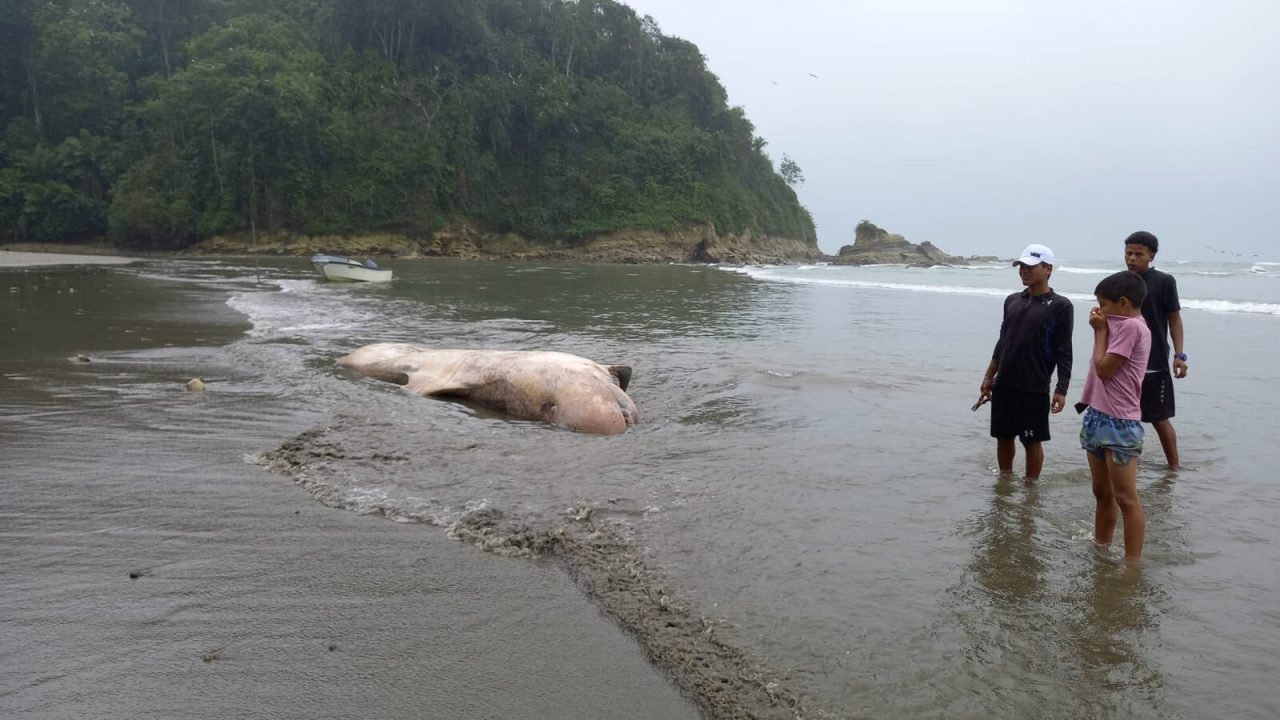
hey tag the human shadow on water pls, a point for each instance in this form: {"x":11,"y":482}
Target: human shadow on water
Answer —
{"x":1007,"y":567}
{"x":1166,"y":542}
{"x":1115,"y":625}
{"x":1112,"y":623}
{"x":998,"y":606}
{"x":1044,"y":624}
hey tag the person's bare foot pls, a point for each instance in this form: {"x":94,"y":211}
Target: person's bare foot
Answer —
{"x":1102,"y":552}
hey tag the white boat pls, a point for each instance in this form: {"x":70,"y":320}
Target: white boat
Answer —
{"x":341,"y":269}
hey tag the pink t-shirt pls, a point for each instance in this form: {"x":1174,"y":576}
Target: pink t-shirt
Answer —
{"x":1120,"y":396}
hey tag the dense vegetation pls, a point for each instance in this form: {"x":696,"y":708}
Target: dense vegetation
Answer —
{"x":160,"y":122}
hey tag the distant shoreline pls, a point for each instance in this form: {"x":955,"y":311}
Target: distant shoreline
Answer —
{"x":696,"y":243}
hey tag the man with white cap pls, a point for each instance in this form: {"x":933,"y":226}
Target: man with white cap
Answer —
{"x":1035,"y":339}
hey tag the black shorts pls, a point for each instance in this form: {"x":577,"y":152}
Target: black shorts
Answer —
{"x":1024,"y":415}
{"x":1157,"y":397}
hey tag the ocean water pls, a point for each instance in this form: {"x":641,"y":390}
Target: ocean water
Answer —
{"x":805,"y":523}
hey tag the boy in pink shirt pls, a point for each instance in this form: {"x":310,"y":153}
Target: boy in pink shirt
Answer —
{"x":1112,"y":430}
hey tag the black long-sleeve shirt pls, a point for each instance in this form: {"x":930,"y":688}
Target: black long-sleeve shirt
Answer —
{"x":1035,"y":336}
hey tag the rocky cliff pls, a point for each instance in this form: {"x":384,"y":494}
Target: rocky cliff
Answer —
{"x":873,"y":246}
{"x":698,"y":244}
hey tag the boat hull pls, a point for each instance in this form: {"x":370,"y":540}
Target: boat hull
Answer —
{"x":338,"y":269}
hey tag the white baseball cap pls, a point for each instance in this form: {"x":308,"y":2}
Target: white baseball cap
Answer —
{"x":1034,"y":255}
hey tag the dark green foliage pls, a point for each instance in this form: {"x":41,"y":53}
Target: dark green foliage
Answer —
{"x":171,"y":120}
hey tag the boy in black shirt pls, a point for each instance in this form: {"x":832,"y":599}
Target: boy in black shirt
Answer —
{"x":1162,"y":312}
{"x":1035,"y":338}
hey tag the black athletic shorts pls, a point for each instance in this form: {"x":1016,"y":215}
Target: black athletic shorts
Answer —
{"x":1024,"y":415}
{"x":1157,"y":396}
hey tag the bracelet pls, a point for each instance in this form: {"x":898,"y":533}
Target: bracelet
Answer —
{"x":1180,"y":356}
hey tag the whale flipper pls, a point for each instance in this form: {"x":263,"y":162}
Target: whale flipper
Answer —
{"x":621,"y":373}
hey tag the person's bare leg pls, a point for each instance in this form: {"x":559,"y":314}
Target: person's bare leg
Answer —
{"x":1124,"y":482}
{"x":1005,"y":451}
{"x":1105,"y":513}
{"x":1035,"y":460}
{"x":1168,"y":441}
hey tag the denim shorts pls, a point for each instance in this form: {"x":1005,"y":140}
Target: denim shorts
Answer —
{"x":1101,"y":432}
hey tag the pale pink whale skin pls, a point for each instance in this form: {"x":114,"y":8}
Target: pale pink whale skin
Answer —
{"x":554,"y":387}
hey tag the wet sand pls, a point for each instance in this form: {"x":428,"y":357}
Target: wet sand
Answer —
{"x":775,"y":511}
{"x":723,"y":680}
{"x":168,"y":581}
{"x":150,"y":567}
{"x":22,"y":258}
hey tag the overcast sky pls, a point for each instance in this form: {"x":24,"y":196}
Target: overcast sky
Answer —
{"x":982,"y":125}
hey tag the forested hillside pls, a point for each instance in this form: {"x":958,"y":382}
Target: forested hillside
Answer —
{"x":162,"y":122}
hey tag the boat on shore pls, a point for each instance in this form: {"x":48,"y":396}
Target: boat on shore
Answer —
{"x":343,"y":269}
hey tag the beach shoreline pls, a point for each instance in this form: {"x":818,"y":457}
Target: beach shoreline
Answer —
{"x":693,"y":244}
{"x":24,"y":258}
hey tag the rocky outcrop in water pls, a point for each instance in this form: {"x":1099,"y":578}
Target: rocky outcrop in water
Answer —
{"x":873,"y":246}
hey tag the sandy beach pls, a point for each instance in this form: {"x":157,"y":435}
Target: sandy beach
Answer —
{"x":805,"y":525}
{"x":232,"y":594}
{"x":22,"y":258}
{"x":150,"y":567}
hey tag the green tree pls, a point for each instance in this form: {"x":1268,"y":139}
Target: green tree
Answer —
{"x":555,"y":119}
{"x":244,"y":116}
{"x":77,"y":66}
{"x":790,"y":171}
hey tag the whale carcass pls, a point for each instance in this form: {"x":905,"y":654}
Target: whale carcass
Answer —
{"x":554,"y":387}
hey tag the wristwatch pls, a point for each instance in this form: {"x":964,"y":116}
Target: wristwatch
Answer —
{"x":1180,"y":356}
